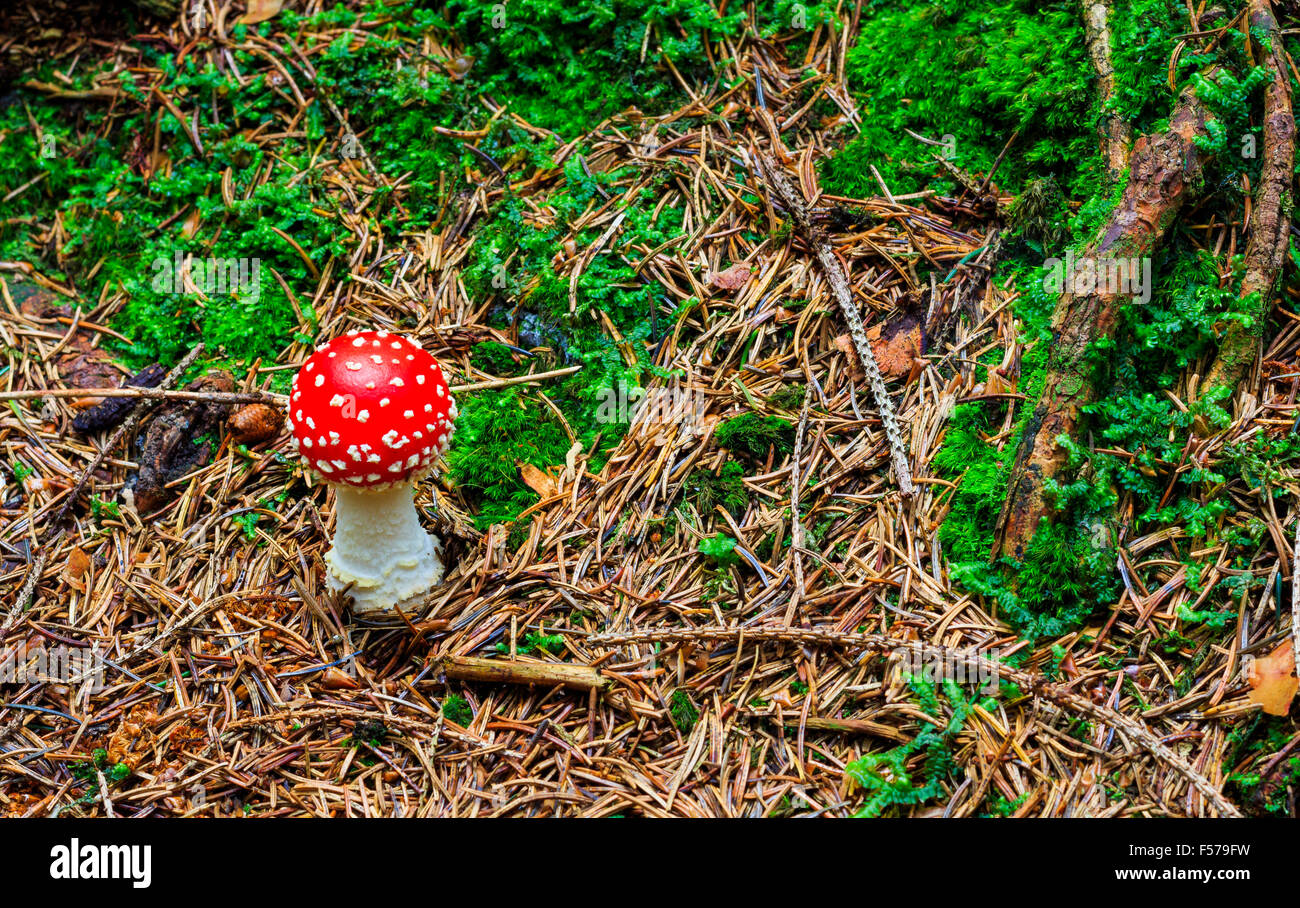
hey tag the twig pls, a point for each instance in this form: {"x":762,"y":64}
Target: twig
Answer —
{"x":251,"y":397}
{"x":839,"y":283}
{"x":547,"y":674}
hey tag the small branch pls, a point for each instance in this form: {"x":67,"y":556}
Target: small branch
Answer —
{"x":60,"y":522}
{"x":251,"y":397}
{"x":794,"y":203}
{"x":503,"y":671}
{"x":1115,"y":132}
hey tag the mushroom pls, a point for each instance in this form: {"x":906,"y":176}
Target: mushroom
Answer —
{"x":370,"y":412}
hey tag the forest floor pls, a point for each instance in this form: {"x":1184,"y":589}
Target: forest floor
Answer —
{"x":698,"y":499}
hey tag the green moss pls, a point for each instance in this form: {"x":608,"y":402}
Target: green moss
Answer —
{"x":455,"y":708}
{"x":913,"y":773}
{"x":975,"y":72}
{"x":683,"y":711}
{"x":706,"y":490}
{"x":755,"y":435}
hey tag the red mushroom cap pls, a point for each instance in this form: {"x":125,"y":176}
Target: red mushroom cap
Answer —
{"x":369,"y":409}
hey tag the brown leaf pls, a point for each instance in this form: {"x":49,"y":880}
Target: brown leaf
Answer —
{"x":844,"y":343}
{"x":78,"y":563}
{"x":537,"y":479}
{"x":895,"y":344}
{"x":75,"y":570}
{"x":1272,"y":680}
{"x":733,"y":278}
{"x":336,"y":679}
{"x":260,"y":11}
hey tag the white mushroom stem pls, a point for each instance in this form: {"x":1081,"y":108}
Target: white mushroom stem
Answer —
{"x":381,"y":555}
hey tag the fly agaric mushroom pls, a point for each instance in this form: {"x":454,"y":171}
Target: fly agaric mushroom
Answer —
{"x":370,"y":412}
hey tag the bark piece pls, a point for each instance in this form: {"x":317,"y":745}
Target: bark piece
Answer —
{"x":113,"y":410}
{"x":169,"y":449}
{"x":1113,"y":130}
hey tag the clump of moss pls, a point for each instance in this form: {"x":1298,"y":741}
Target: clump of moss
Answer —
{"x":974,"y":73}
{"x":755,"y":435}
{"x":496,"y":359}
{"x":683,"y":711}
{"x":788,"y":397}
{"x":706,"y":490}
{"x":455,"y":708}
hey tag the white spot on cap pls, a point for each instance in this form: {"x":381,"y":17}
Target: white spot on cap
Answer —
{"x":324,"y":467}
{"x":336,"y":401}
{"x":397,"y":382}
{"x":383,"y":401}
{"x":409,"y":414}
{"x":320,"y":380}
{"x":355,"y":367}
{"x":442,"y":392}
{"x":310,"y":365}
{"x":373,"y":477}
{"x":306,"y":442}
{"x":363,"y":416}
{"x":419,"y":379}
{"x":359,"y":342}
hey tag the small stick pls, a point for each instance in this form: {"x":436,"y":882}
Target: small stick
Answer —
{"x":548,"y":674}
{"x":839,"y":283}
{"x":252,"y":397}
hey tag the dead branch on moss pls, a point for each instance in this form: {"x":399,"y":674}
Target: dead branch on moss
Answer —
{"x":1165,"y":167}
{"x":1271,"y":224}
{"x":797,"y":207}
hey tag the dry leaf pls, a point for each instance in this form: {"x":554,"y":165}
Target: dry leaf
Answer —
{"x":260,"y":11}
{"x":844,"y":343}
{"x":336,"y":679}
{"x":895,"y":344}
{"x":537,"y":479}
{"x":75,"y":570}
{"x":1273,"y":683}
{"x":733,"y":278}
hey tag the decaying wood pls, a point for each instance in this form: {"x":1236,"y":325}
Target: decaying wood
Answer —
{"x":1270,"y":225}
{"x":1165,"y":167}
